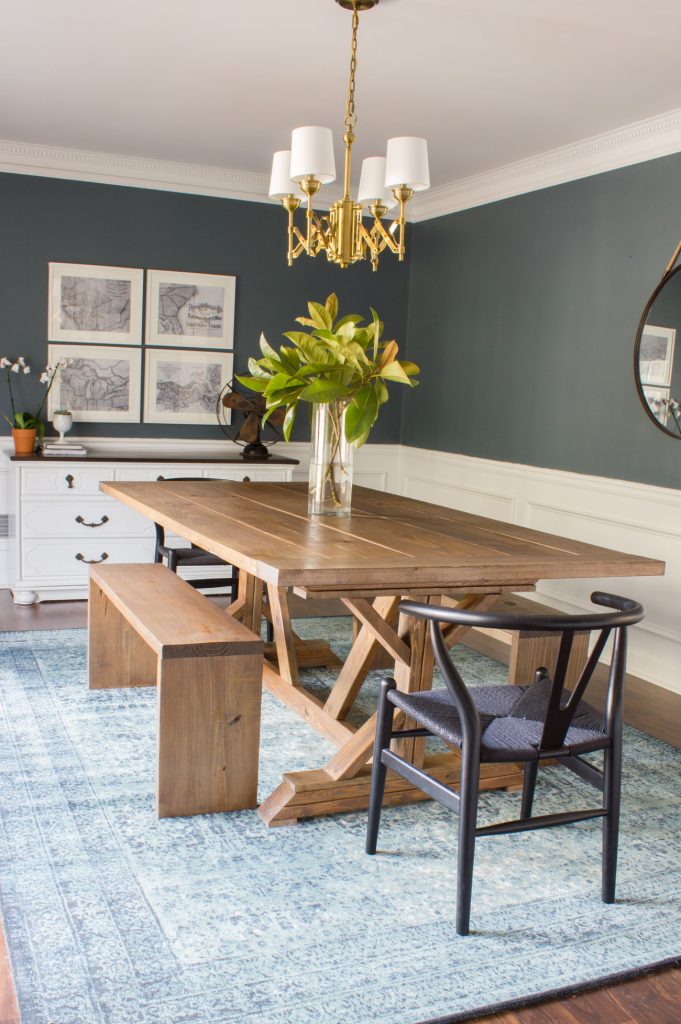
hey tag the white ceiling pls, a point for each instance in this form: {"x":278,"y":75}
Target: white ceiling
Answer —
{"x":222,"y":82}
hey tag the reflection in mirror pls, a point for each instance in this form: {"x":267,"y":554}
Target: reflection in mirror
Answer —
{"x":658,"y":356}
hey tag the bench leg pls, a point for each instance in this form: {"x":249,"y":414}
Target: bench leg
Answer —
{"x":208,"y":734}
{"x":530,"y":651}
{"x":117,"y":655}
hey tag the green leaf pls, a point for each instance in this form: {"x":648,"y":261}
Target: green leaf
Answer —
{"x":297,"y":337}
{"x":378,"y":329}
{"x":282,"y":384}
{"x":257,"y":370}
{"x":290,"y":358}
{"x":411,"y":369}
{"x":323,"y":391}
{"x":306,"y":321}
{"x":393,"y":371}
{"x":351,"y":318}
{"x":253,"y":383}
{"x":289,"y":419}
{"x":320,"y":315}
{"x":267,"y":349}
{"x":361,"y":414}
{"x":331,"y":305}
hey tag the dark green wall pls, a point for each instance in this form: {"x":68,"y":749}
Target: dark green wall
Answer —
{"x":45,"y":220}
{"x":523,"y":314}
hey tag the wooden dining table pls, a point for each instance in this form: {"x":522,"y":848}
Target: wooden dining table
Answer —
{"x":389,"y":548}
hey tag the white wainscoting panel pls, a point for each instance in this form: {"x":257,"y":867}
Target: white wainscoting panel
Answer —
{"x":636,"y":518}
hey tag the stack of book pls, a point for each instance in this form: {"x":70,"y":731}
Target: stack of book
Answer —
{"x":65,"y":448}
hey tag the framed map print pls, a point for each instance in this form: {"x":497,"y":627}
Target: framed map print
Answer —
{"x":98,"y":383}
{"x":95,"y":305}
{"x":183,"y":387}
{"x":656,"y":355}
{"x":190,"y":310}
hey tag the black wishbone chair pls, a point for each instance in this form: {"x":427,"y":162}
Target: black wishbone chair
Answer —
{"x":528,"y":724}
{"x":194,"y":557}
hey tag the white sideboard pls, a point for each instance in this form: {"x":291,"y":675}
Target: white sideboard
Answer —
{"x":63,"y":523}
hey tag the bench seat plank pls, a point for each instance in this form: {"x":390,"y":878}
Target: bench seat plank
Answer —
{"x":175,"y":620}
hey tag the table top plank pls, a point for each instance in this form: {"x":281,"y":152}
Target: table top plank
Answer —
{"x":389,"y":540}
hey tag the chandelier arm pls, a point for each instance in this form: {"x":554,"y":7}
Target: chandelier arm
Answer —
{"x":381,"y":239}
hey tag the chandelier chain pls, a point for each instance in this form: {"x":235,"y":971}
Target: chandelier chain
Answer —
{"x":350,"y":115}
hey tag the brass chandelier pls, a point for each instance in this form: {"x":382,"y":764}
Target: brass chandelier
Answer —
{"x":384,"y":183}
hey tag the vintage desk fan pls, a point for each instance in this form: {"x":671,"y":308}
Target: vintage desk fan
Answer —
{"x":248,"y":431}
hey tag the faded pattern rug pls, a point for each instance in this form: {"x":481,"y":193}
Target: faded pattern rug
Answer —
{"x":114,"y":917}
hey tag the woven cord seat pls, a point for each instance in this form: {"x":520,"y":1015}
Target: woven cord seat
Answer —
{"x":513,"y":723}
{"x":511,"y":720}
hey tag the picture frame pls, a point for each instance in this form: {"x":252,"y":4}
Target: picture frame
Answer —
{"x":190,"y":310}
{"x":183,"y":386}
{"x":658,"y":399}
{"x":95,"y":304}
{"x":98,"y":384}
{"x":656,"y":355}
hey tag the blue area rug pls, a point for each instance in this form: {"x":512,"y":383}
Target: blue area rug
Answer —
{"x":114,"y":917}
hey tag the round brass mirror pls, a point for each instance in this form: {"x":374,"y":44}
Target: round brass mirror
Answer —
{"x":657,"y":354}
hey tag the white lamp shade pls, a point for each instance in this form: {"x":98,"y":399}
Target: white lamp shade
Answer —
{"x":372,"y":183}
{"x":312,"y":154}
{"x":407,"y":163}
{"x":280,"y":181}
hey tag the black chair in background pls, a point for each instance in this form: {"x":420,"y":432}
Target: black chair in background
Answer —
{"x":529,"y":724}
{"x":194,"y":557}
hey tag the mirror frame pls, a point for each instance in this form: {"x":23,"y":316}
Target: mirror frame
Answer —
{"x":669,"y":274}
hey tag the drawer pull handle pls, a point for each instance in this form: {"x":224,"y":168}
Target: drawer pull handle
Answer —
{"x":104,"y":519}
{"x":69,"y":481}
{"x":92,"y":561}
{"x":246,"y":480}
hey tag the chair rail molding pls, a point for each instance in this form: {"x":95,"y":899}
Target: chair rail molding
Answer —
{"x":640,"y":518}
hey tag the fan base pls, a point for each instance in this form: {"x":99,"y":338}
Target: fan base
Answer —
{"x":255,"y":450}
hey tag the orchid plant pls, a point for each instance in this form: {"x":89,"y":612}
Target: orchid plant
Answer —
{"x":28,"y":420}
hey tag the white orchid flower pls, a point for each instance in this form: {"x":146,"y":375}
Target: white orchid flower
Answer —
{"x":15,"y":367}
{"x":4,"y":362}
{"x":44,"y":378}
{"x":21,"y":361}
{"x":26,"y":369}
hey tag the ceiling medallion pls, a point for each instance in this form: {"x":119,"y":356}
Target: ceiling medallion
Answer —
{"x":385,"y":182}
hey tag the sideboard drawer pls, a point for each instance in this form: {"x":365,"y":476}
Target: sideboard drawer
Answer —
{"x":82,"y":517}
{"x":50,"y":559}
{"x":64,"y":479}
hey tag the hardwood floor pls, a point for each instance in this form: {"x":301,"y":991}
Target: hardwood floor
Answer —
{"x":651,"y":999}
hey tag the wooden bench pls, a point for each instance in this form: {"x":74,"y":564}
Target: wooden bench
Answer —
{"x":146,"y":627}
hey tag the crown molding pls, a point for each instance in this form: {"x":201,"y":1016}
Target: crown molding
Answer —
{"x":135,"y":172}
{"x":631,"y":144}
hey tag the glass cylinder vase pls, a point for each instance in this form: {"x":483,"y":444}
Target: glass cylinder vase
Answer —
{"x":330,"y":491}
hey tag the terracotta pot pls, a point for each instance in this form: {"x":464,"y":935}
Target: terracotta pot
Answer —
{"x":24,"y":441}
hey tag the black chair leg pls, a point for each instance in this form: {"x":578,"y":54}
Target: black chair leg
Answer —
{"x":384,"y":725}
{"x":612,"y":785}
{"x":529,"y":783}
{"x":468,"y":814}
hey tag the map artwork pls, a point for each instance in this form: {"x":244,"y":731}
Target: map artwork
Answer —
{"x":194,"y":310}
{"x":95,"y":305}
{"x":187,"y":387}
{"x":95,"y":385}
